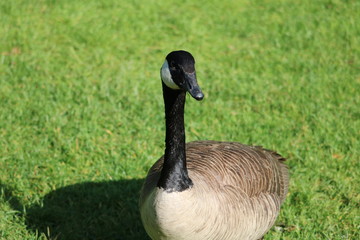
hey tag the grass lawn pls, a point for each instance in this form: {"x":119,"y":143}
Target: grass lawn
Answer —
{"x":81,"y":108}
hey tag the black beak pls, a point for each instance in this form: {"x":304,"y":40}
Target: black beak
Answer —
{"x":192,"y":86}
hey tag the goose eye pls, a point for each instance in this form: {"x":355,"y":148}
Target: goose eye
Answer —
{"x":172,"y":66}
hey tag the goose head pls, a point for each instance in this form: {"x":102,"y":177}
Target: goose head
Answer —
{"x":178,"y":73}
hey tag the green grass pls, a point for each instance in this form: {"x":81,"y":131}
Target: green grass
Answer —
{"x":81,"y":111}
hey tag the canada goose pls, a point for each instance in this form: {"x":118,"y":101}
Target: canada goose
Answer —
{"x":207,"y":189}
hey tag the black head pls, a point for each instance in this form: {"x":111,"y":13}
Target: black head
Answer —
{"x":178,"y":73}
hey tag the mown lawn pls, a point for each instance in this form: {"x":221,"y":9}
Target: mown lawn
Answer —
{"x":81,"y":111}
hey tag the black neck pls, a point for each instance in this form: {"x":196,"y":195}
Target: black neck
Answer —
{"x":174,"y":175}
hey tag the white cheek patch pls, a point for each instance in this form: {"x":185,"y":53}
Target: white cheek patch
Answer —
{"x":166,"y":76}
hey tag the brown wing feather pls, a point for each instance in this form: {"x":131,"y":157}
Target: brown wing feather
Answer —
{"x":252,"y":169}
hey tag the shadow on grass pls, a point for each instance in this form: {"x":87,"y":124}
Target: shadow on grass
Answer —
{"x":90,"y":211}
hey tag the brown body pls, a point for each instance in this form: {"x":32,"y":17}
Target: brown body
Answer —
{"x":236,"y":194}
